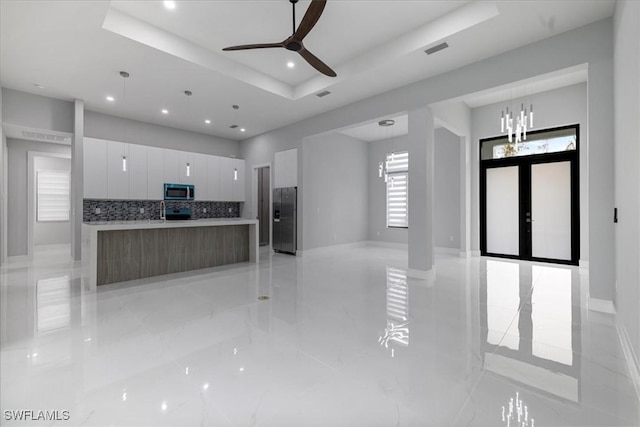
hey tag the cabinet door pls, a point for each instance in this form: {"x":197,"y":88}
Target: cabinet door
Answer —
{"x":239,"y":180}
{"x":186,"y":168}
{"x":226,"y":179}
{"x":137,"y":172}
{"x":95,"y":168}
{"x":213,"y":178}
{"x":200,"y":176}
{"x":117,"y":170}
{"x":171,"y":162}
{"x":155,"y":173}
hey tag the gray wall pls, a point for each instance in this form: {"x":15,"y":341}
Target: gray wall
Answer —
{"x":50,"y":233}
{"x":102,"y":126}
{"x":627,"y":162}
{"x":335,"y":182}
{"x":564,"y":106}
{"x":3,"y":189}
{"x":378,"y":230}
{"x":40,"y":112}
{"x":446,"y":216}
{"x":17,"y":191}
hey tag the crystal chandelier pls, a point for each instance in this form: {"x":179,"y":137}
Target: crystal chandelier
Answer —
{"x":516,"y":414}
{"x":383,"y":167}
{"x":523,"y":123}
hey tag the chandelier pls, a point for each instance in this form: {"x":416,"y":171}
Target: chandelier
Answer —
{"x":516,"y":414}
{"x":523,"y":123}
{"x":383,"y":167}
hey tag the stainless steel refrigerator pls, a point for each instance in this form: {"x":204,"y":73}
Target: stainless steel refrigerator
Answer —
{"x":284,"y":219}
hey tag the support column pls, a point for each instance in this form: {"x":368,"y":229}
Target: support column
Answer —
{"x":77,"y":178}
{"x":421,"y":193}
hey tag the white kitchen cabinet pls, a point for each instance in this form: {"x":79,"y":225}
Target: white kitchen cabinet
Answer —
{"x":117,"y":170}
{"x":239,"y":180}
{"x":155,"y":173}
{"x":226,"y":179}
{"x":95,"y":168}
{"x":213,"y":178}
{"x":137,"y":165}
{"x":286,"y":168}
{"x":200,"y":176}
{"x":186,"y":168}
{"x":171,"y":166}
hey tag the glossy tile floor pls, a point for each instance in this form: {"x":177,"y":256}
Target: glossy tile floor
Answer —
{"x":346,"y":339}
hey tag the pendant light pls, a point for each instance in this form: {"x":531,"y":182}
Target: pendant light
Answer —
{"x":125,"y":76}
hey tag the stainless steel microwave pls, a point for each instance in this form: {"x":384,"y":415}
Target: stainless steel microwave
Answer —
{"x":179,"y":192}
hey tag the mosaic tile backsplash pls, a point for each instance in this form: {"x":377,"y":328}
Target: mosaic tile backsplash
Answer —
{"x":129,"y":210}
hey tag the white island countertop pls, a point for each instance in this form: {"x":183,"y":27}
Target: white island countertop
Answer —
{"x":146,"y":224}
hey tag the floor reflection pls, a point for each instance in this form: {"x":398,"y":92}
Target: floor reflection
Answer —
{"x":397,"y":330}
{"x":538,"y":307}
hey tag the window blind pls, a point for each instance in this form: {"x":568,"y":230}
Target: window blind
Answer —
{"x":397,"y":203}
{"x":52,"y":196}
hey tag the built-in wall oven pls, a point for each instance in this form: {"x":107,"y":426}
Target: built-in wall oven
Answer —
{"x":179,"y":192}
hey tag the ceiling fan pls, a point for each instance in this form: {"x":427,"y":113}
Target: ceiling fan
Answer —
{"x":294,"y":41}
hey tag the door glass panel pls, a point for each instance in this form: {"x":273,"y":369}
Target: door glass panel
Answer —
{"x":551,"y":210}
{"x":503,"y":211}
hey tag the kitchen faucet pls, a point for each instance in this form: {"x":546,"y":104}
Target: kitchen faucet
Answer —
{"x":163,"y":212}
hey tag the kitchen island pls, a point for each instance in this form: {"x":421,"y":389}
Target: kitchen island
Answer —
{"x":119,"y":251}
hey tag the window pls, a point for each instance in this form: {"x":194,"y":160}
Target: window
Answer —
{"x":53,"y":196}
{"x":537,"y":142}
{"x":397,"y":190}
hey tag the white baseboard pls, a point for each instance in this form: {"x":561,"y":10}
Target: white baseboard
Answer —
{"x":629,"y":355}
{"x":429,"y":276}
{"x":475,"y":253}
{"x":387,"y":244}
{"x":583,"y":264}
{"x":601,"y":305}
{"x":447,"y":251}
{"x":329,"y":249}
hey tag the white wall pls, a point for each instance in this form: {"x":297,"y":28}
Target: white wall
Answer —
{"x":336,"y":190}
{"x":17,"y":191}
{"x":35,"y":111}
{"x":50,"y":233}
{"x":591,"y":44}
{"x":3,"y":189}
{"x":102,"y":126}
{"x":627,"y":168}
{"x":447,"y":210}
{"x":564,"y":106}
{"x":378,"y":230}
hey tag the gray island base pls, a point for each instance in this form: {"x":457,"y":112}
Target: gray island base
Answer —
{"x":130,"y":250}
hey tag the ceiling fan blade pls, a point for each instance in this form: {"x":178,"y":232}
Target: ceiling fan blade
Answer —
{"x":254,"y":46}
{"x":316,"y":63}
{"x":310,"y":18}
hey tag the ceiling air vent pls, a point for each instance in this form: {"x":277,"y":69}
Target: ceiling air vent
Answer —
{"x":323,"y":93}
{"x":233,"y":126}
{"x":436,"y":48}
{"x":46,"y":137}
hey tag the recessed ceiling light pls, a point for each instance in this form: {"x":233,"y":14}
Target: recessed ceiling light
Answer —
{"x":242,"y":129}
{"x":38,"y":85}
{"x":169,"y":4}
{"x":291,"y":64}
{"x":110,"y":98}
{"x":208,"y":121}
{"x":165,"y":111}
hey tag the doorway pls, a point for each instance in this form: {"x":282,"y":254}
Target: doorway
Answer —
{"x":263,"y":204}
{"x":530,"y":197}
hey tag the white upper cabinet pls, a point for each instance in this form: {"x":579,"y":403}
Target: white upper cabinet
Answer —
{"x":155,"y":173}
{"x":138,"y":174}
{"x":95,"y":168}
{"x":200,"y":176}
{"x":117,"y":170}
{"x":226,"y":179}
{"x":171,"y":163}
{"x":238,"y":180}
{"x":213,"y":178}
{"x":286,"y":169}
